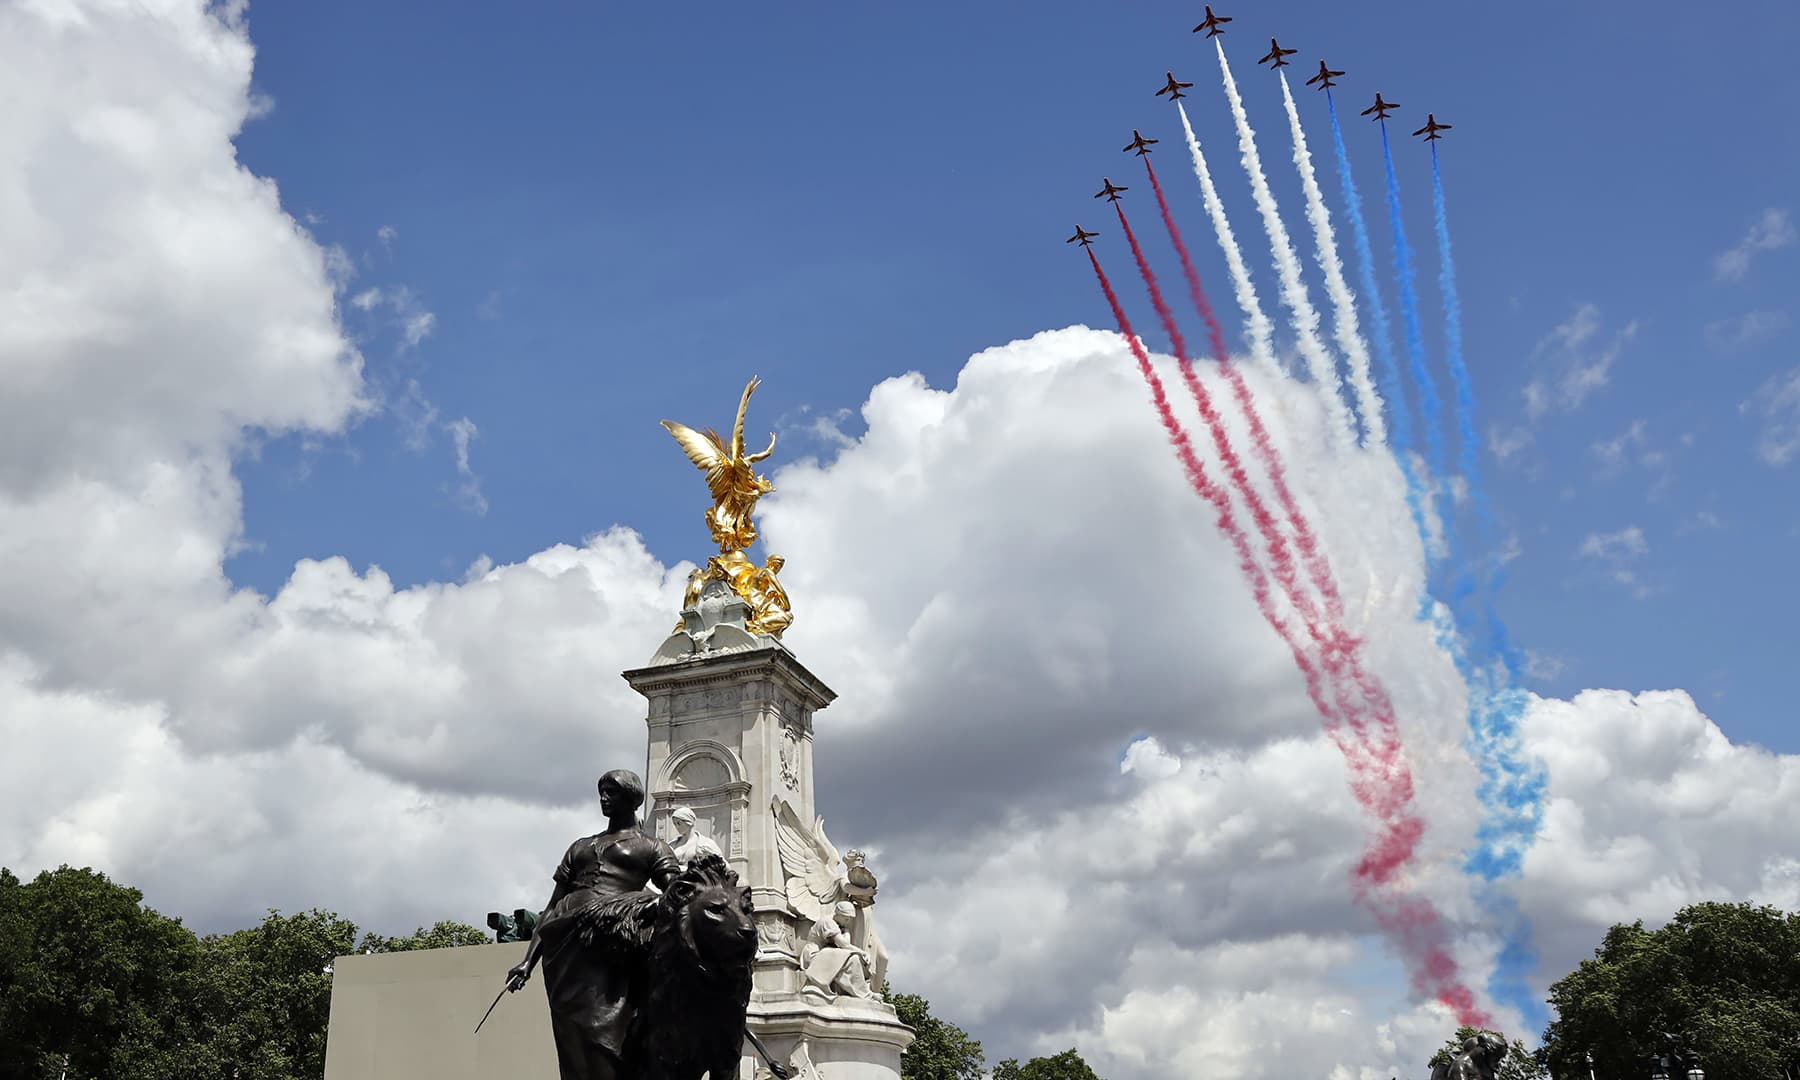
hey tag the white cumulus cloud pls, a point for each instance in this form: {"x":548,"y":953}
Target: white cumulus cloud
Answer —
{"x":1006,"y":579}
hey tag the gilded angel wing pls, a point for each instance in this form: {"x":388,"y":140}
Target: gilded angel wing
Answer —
{"x":807,"y":861}
{"x":737,"y":428}
{"x":703,"y":449}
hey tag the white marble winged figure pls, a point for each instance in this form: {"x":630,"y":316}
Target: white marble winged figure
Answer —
{"x":813,"y":868}
{"x":818,"y":880}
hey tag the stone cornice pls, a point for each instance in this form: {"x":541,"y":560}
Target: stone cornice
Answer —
{"x":736,"y":667}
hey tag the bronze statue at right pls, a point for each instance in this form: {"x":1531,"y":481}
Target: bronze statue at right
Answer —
{"x":1480,"y":1059}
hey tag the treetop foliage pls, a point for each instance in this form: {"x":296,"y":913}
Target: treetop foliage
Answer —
{"x":94,"y":981}
{"x":1723,"y":979}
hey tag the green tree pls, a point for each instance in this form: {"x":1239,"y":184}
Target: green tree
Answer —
{"x":89,"y":977}
{"x":442,"y":935}
{"x":264,"y":996}
{"x":1724,"y":979}
{"x":1519,"y":1063}
{"x":942,"y":1051}
{"x":1064,"y":1066}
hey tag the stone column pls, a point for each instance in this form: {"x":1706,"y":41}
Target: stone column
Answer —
{"x":730,"y":717}
{"x":728,"y":732}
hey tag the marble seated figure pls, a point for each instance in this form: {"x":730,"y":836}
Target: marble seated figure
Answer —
{"x":690,"y":843}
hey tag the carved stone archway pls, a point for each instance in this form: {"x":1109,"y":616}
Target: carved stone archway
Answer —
{"x":707,"y":777}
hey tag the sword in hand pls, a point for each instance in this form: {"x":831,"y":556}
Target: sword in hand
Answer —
{"x":490,"y":1010}
{"x":514,"y":980}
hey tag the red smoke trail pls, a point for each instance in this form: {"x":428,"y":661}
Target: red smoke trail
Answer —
{"x":1214,"y":332}
{"x":1343,"y":644}
{"x":1310,"y":553}
{"x":1214,"y":494}
{"x":1366,"y":783}
{"x":1415,"y":924}
{"x":1281,"y":560}
{"x":1384,"y":784}
{"x":1379,"y":778}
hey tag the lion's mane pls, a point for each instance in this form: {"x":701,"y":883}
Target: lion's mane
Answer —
{"x":698,"y":986}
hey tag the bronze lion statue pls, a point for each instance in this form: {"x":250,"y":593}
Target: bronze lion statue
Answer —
{"x":692,"y":949}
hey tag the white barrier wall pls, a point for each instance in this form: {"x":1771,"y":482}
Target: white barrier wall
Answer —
{"x":412,"y":1016}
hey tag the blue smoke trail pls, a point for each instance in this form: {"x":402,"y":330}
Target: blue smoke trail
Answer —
{"x":1469,"y":456}
{"x":1415,"y":336}
{"x":1517,"y":962}
{"x":1399,"y":419}
{"x":1511,"y":788}
{"x":1468,"y":460}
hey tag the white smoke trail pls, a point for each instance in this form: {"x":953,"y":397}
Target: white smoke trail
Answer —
{"x":1343,"y":301}
{"x":1257,"y":328}
{"x":1287,"y":267}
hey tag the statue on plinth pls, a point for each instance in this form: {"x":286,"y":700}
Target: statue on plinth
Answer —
{"x":735,"y":486}
{"x":587,"y":975}
{"x":642,"y":984}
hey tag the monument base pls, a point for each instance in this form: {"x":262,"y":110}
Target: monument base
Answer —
{"x":848,"y":1040}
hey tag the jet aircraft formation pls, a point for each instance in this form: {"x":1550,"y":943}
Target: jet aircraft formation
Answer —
{"x":1265,"y":524}
{"x":1214,"y":26}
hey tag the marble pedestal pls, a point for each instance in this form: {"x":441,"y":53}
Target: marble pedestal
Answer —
{"x":851,"y":1040}
{"x":731,"y":723}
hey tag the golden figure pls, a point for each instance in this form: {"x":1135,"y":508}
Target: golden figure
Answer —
{"x":770,"y":613}
{"x":731,"y":477}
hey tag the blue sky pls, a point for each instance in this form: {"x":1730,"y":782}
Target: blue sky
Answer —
{"x":545,"y":228}
{"x":615,"y":213}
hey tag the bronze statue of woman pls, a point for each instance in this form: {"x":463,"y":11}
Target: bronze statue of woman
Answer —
{"x":591,"y":981}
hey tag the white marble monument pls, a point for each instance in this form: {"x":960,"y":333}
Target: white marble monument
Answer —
{"x":731,"y":770}
{"x":731,"y":724}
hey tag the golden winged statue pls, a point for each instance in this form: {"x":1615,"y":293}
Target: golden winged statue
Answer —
{"x":730,"y":475}
{"x":731,"y":478}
